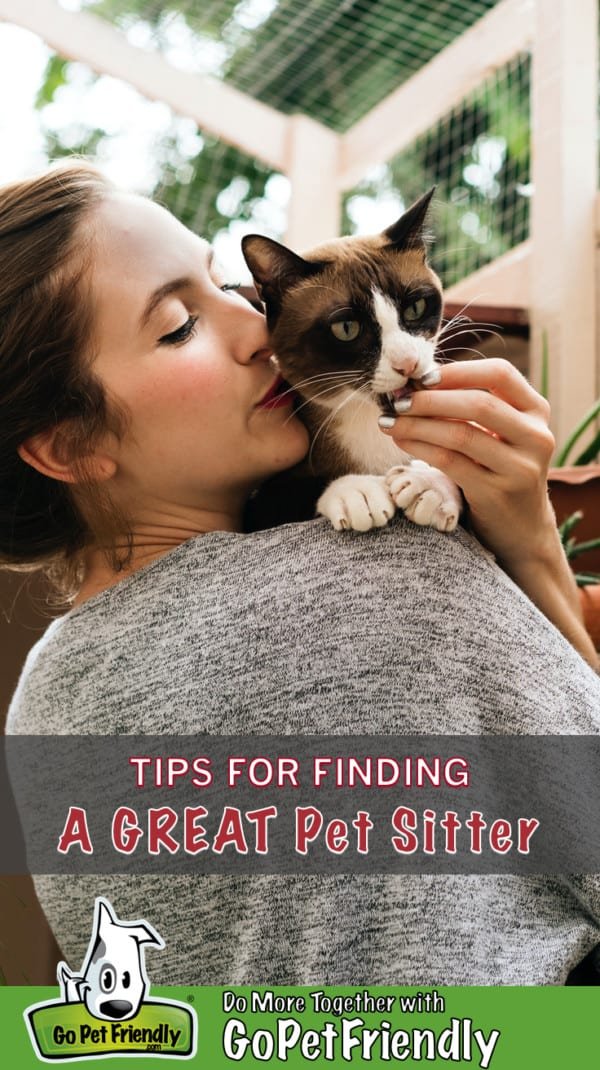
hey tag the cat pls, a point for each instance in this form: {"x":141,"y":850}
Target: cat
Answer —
{"x":354,"y":324}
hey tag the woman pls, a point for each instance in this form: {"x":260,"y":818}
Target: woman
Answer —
{"x":140,"y":415}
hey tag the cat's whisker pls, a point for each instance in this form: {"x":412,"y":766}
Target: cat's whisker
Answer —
{"x":341,"y":375}
{"x":472,"y":301}
{"x":459,"y":320}
{"x":466,"y":349}
{"x":467,"y":323}
{"x":314,"y":378}
{"x":323,"y":375}
{"x":328,"y":420}
{"x":365,"y":399}
{"x":479,"y":335}
{"x":327,"y":390}
{"x":337,"y":379}
{"x":456,"y":321}
{"x":472,"y":327}
{"x":469,"y":336}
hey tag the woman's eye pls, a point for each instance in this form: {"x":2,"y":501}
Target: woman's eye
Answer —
{"x":415,"y":311}
{"x":230,"y":286}
{"x":345,"y":330}
{"x":182,"y":333}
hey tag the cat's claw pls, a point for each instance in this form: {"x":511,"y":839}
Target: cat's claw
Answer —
{"x":357,"y":502}
{"x":425,"y":495}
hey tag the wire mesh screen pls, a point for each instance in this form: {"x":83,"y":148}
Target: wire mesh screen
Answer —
{"x":333,"y":61}
{"x":212,"y":187}
{"x":479,"y":157}
{"x":330,"y":60}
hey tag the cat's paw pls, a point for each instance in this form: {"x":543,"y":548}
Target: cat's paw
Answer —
{"x":357,"y":502}
{"x":425,"y":495}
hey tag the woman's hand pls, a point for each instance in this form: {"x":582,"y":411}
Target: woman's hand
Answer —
{"x":487,"y":428}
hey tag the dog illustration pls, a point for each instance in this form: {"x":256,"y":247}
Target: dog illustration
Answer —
{"x":113,"y":980}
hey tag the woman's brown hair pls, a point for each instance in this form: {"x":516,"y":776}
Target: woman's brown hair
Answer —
{"x":45,"y":374}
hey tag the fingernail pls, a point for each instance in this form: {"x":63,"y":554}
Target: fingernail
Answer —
{"x":432,"y":377}
{"x":386,"y":421}
{"x":402,"y":404}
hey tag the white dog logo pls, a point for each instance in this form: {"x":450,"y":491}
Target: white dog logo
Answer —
{"x":113,"y":980}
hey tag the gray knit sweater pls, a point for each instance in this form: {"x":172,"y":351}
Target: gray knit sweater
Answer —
{"x":302,"y":629}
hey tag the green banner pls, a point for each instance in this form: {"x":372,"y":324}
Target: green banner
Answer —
{"x":68,"y":1030}
{"x":502,"y":1028}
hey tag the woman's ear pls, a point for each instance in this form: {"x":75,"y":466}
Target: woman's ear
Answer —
{"x":49,"y":454}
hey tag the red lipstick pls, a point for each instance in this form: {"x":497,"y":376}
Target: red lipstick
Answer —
{"x":279,"y":393}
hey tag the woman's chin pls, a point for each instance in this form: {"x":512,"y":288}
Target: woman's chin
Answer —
{"x":299,"y":443}
{"x":290,"y":449}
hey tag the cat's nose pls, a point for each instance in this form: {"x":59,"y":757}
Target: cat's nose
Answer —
{"x":406,"y":366}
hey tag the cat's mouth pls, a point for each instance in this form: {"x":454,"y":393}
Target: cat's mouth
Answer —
{"x":386,"y":401}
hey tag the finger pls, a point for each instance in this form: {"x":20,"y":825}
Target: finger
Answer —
{"x":451,"y":440}
{"x":519,"y":428}
{"x":506,"y":470}
{"x":498,"y":376}
{"x":467,"y":474}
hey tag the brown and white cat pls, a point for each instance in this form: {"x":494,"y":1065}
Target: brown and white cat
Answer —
{"x":354,"y":323}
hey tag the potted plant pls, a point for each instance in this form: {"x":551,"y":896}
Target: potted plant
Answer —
{"x":588,"y":582}
{"x":574,"y":486}
{"x":574,"y":489}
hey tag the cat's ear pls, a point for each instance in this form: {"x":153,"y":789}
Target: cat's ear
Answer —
{"x":408,"y":232}
{"x":274,"y":267}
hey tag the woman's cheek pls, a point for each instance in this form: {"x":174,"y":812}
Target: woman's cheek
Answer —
{"x":193,"y":387}
{"x":206,"y":384}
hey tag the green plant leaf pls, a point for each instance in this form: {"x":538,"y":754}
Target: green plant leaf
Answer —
{"x":55,"y":76}
{"x":583,"y":547}
{"x":587,"y":579}
{"x":576,"y":434}
{"x":590,"y":454}
{"x":566,"y":527}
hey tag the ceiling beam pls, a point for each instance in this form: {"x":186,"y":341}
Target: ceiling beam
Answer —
{"x":216,"y":107}
{"x":435,"y":89}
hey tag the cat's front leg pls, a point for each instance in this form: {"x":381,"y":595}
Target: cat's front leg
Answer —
{"x":357,"y":502}
{"x":425,"y":494}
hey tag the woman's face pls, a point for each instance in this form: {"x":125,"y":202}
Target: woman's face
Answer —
{"x":189,"y":359}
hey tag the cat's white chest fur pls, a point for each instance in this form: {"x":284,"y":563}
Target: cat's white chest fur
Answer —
{"x":357,"y":431}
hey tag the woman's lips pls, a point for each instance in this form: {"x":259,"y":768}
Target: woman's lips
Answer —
{"x":279,"y":393}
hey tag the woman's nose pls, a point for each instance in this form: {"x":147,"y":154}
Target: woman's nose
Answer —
{"x":264,"y":353}
{"x":249,"y":334}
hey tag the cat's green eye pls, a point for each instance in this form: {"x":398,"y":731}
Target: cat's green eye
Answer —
{"x":346,"y":330}
{"x":416,"y":311}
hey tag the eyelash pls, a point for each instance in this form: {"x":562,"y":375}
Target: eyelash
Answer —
{"x":182,"y":333}
{"x":188,"y":329}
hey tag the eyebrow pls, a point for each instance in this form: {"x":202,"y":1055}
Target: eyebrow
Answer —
{"x":182,"y":283}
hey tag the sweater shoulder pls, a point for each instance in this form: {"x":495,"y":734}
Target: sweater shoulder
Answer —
{"x":401,"y":628}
